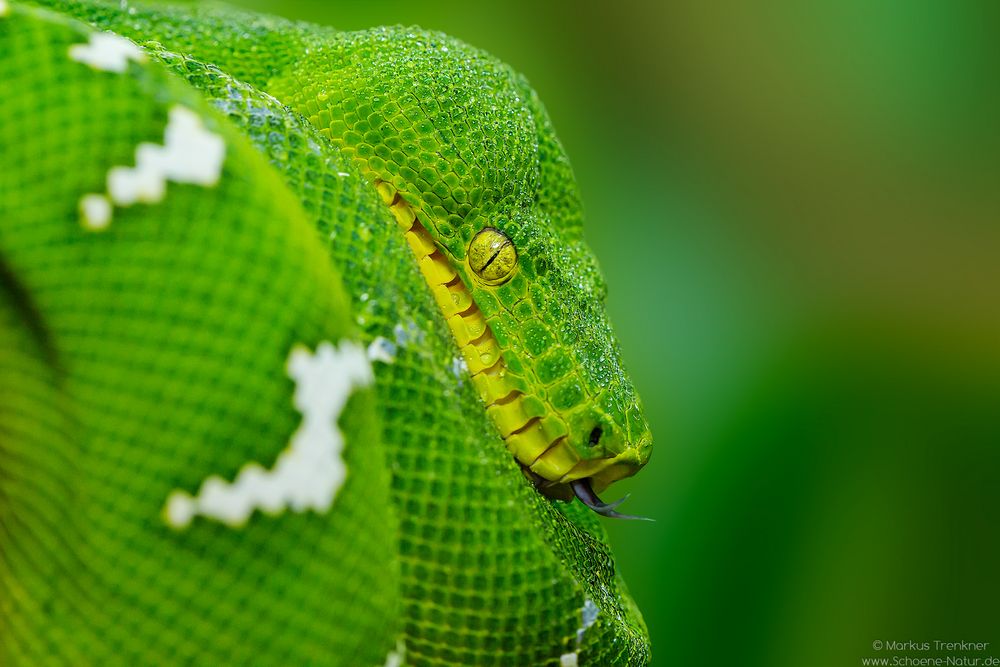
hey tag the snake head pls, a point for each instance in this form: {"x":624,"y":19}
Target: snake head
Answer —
{"x":464,"y":154}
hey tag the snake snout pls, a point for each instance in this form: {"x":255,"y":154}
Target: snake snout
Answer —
{"x":585,"y":492}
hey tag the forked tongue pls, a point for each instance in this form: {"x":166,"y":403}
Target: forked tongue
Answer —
{"x":585,"y":492}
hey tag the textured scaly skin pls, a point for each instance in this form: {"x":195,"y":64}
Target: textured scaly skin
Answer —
{"x":492,"y":572}
{"x":144,"y":358}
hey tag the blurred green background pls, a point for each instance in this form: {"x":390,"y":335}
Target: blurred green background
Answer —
{"x":796,"y":207}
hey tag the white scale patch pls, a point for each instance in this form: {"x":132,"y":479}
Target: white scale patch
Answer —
{"x":95,"y":211}
{"x":107,"y":51}
{"x":310,"y":471}
{"x":459,"y":368}
{"x":397,"y":657}
{"x":588,"y":616}
{"x":382,"y":350}
{"x":189,"y":154}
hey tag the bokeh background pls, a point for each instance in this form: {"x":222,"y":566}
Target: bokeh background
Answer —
{"x":796,"y":207}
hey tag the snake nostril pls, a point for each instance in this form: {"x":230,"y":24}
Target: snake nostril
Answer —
{"x":595,"y":436}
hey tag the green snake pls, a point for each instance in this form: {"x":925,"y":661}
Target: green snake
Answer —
{"x":303,"y":356}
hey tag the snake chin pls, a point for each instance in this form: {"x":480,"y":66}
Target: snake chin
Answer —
{"x":548,"y":488}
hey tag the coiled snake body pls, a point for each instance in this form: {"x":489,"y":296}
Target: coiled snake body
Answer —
{"x":302,"y":354}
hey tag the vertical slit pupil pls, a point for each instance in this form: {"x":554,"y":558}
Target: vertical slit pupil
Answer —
{"x":595,"y":436}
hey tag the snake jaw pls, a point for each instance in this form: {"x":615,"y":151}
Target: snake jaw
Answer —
{"x":583,"y":491}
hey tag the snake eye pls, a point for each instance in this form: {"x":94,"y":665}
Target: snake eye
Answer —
{"x":492,"y":256}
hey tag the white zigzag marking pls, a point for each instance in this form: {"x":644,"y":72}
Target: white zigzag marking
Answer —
{"x":107,"y":51}
{"x":310,"y":471}
{"x":189,"y":154}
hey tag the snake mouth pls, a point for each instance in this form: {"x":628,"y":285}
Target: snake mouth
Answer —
{"x":532,"y":432}
{"x":585,"y":492}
